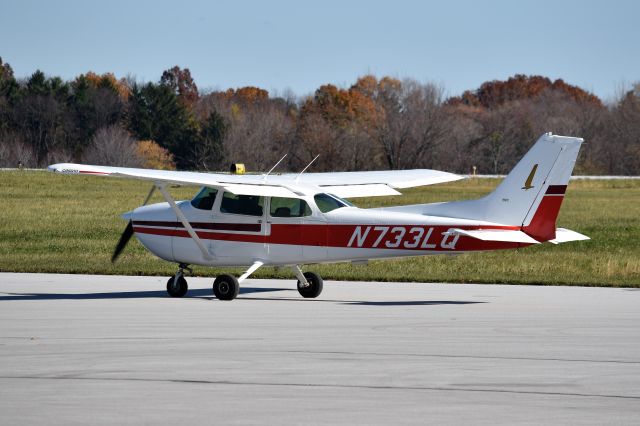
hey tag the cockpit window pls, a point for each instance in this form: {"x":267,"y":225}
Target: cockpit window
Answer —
{"x":329,"y":202}
{"x":289,"y":207}
{"x":250,"y":205}
{"x":204,"y":199}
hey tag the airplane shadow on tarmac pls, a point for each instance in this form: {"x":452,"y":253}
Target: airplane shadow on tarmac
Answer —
{"x":371,"y":303}
{"x":123,"y":294}
{"x":206,"y":294}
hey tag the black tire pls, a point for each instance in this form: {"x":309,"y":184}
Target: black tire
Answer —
{"x":226,"y":287}
{"x":315,"y":286}
{"x":177,"y":289}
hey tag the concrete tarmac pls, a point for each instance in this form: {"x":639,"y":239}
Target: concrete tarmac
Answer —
{"x":78,"y":349}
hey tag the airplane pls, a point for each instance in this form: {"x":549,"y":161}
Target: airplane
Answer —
{"x":288,"y":220}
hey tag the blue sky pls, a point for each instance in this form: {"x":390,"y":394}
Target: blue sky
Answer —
{"x":298,"y":45}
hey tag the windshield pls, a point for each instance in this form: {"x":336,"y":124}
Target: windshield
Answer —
{"x":204,"y":199}
{"x":330,"y":202}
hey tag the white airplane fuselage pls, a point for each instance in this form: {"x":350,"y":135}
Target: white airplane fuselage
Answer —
{"x":344,"y":234}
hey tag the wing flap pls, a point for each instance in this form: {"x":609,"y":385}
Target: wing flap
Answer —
{"x":364,"y":190}
{"x":394,"y":178}
{"x":262,"y":190}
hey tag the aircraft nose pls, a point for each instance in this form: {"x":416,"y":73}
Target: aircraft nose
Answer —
{"x":127,"y":215}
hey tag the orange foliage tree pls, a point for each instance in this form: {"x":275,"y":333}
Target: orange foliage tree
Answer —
{"x":153,"y":156}
{"x":494,"y":93}
{"x":109,"y":81}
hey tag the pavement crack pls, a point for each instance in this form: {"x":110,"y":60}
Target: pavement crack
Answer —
{"x":325,"y":385}
{"x":613,"y":361}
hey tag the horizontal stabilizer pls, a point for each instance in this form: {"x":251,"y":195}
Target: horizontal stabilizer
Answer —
{"x":503,"y":235}
{"x":566,"y":235}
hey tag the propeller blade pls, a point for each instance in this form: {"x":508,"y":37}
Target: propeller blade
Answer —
{"x":124,"y":239}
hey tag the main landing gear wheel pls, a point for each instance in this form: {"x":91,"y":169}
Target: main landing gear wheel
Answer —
{"x":226,"y":287}
{"x":177,"y":287}
{"x":313,"y":289}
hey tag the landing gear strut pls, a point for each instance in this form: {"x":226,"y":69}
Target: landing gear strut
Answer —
{"x":177,"y":285}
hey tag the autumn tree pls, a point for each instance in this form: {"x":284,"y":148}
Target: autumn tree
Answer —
{"x":181,"y":83}
{"x":495,"y":93}
{"x":153,"y":156}
{"x":334,"y":123}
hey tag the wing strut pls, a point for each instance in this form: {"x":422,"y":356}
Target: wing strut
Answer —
{"x":183,"y":220}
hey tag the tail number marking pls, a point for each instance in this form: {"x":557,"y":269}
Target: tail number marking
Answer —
{"x":400,"y":237}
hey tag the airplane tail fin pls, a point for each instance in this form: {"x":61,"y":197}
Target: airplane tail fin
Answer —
{"x":531,"y":194}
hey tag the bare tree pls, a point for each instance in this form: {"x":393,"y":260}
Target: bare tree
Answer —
{"x":112,"y":146}
{"x":14,"y":151}
{"x":623,"y":131}
{"x":411,"y":122}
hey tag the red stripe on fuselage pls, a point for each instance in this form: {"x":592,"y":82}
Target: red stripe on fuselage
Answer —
{"x":374,"y":236}
{"x":213,"y":226}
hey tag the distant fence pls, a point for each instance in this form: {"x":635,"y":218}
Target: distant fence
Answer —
{"x":578,"y":177}
{"x":6,"y":169}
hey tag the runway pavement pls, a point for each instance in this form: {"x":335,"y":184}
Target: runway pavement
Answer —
{"x":78,"y":349}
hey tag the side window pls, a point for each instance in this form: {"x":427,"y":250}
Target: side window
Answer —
{"x":289,"y":207}
{"x":204,"y":199}
{"x":328,"y":202}
{"x":250,"y":205}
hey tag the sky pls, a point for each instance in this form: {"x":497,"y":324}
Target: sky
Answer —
{"x":297,"y":46}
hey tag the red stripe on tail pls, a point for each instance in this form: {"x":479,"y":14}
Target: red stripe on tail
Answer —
{"x":543,"y":224}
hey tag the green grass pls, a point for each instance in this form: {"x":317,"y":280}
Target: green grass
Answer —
{"x":70,"y":224}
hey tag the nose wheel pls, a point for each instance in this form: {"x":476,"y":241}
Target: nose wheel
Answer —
{"x":177,"y":284}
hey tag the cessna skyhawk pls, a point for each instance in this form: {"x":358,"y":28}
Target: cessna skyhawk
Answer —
{"x":295,"y":219}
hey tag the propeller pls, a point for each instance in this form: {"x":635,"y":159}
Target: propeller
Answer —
{"x":124,"y":239}
{"x":128,"y":231}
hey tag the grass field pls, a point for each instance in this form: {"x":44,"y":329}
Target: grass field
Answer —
{"x":70,"y":224}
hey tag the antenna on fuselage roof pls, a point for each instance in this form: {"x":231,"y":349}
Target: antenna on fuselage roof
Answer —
{"x":276,"y":165}
{"x":308,"y":165}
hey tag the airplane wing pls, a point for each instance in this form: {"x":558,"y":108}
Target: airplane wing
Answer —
{"x":237,"y":184}
{"x":342,"y":184}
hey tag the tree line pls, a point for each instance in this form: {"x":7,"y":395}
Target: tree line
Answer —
{"x":377,"y":123}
